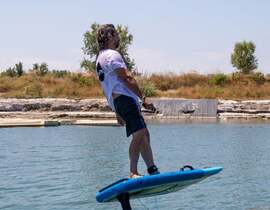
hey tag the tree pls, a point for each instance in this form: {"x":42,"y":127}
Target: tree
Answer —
{"x":35,"y":66}
{"x":126,"y":39}
{"x":243,"y":57}
{"x":91,"y":46}
{"x":19,"y":69}
{"x":88,"y":65}
{"x":14,"y":71}
{"x":41,"y":69}
{"x":11,"y":72}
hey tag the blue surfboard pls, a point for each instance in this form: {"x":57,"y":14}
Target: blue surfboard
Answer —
{"x":152,"y":185}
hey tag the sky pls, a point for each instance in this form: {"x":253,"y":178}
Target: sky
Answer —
{"x":169,"y":36}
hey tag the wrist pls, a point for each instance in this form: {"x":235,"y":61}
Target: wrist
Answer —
{"x":143,"y":99}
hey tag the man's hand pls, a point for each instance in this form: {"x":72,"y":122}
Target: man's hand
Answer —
{"x":149,"y":106}
{"x":120,"y":121}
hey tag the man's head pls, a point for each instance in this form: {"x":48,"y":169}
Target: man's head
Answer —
{"x":107,"y":37}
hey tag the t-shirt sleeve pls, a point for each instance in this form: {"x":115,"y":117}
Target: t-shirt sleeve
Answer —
{"x":117,"y":61}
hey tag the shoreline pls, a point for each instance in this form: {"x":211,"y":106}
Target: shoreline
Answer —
{"x":62,"y":111}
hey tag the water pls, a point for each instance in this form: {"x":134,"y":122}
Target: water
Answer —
{"x":63,"y":167}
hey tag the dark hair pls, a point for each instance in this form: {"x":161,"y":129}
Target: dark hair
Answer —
{"x":103,"y":34}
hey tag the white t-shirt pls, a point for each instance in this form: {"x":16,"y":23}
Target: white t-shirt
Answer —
{"x":107,"y":62}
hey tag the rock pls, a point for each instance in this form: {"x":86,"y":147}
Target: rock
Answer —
{"x":167,"y":107}
{"x":51,"y":104}
{"x":251,"y":106}
{"x":36,"y":106}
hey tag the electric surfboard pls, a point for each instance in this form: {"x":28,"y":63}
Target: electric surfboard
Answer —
{"x":152,"y":185}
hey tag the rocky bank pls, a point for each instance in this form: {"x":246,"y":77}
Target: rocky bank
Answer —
{"x":51,"y":108}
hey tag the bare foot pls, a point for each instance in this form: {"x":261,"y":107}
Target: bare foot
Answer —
{"x":134,"y":176}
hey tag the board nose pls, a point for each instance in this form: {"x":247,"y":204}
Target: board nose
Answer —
{"x":213,"y":170}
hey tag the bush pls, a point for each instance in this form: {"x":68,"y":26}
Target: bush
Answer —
{"x":236,"y":76}
{"x":10,"y":72}
{"x":191,"y":79}
{"x":41,"y":69}
{"x":57,"y":91}
{"x":5,"y":84}
{"x":258,"y":77}
{"x":14,"y":72}
{"x":218,"y":79}
{"x":149,"y":89}
{"x":165,"y":81}
{"x":84,"y":81}
{"x":33,"y":90}
{"x":162,"y":82}
{"x":60,"y":73}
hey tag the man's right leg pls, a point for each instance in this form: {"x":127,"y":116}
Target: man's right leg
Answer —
{"x":134,"y":153}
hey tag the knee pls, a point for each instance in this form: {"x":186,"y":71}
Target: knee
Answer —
{"x":146,"y":136}
{"x":143,"y":135}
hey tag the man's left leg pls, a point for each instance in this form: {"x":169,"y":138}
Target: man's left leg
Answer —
{"x":143,"y":138}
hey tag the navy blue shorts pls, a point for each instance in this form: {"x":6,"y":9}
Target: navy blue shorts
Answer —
{"x":127,"y":108}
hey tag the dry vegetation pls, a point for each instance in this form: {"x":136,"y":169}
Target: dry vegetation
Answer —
{"x":190,"y":85}
{"x":70,"y":85}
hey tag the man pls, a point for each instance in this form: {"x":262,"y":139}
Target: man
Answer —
{"x":123,"y":94}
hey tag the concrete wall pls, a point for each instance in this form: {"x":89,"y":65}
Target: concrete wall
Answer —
{"x":178,"y":107}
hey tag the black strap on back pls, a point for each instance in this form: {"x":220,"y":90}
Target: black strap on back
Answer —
{"x":123,"y":198}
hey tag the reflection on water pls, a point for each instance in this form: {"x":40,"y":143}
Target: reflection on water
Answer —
{"x":63,"y":167}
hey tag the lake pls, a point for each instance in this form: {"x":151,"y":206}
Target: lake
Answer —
{"x":63,"y":167}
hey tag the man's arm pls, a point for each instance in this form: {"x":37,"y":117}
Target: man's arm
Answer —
{"x":131,"y":83}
